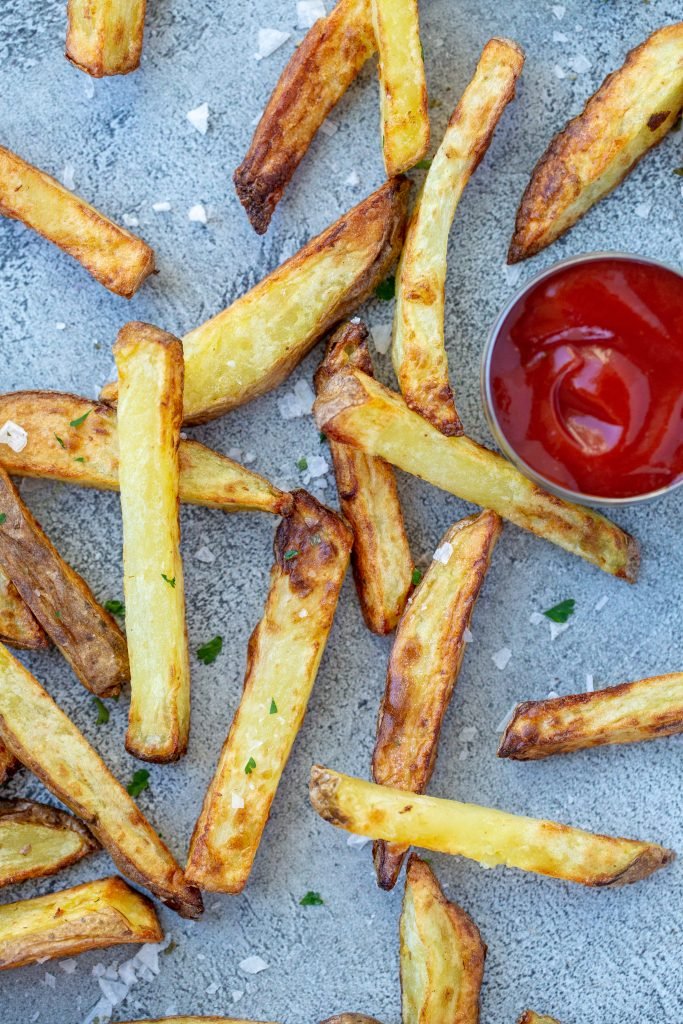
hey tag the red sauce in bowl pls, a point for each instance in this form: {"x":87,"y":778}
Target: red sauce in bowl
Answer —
{"x":586,"y":376}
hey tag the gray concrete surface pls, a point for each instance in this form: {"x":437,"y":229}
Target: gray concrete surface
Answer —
{"x":587,"y":957}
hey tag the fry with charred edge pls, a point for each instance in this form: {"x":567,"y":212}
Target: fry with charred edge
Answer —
{"x":424,"y":665}
{"x":368,"y":498}
{"x":483,"y":834}
{"x":357,"y":410}
{"x":318,"y":74}
{"x":60,"y":599}
{"x":104,"y":37}
{"x":37,"y":840}
{"x":88,"y":455}
{"x":8,"y":763}
{"x":254,"y":344}
{"x":18,"y":626}
{"x":312,"y":550}
{"x":150,"y":365}
{"x":643,"y":710}
{"x":634,"y":108}
{"x":116,"y":258}
{"x":47,"y":742}
{"x":529,"y":1017}
{"x":441,"y":954}
{"x":418,"y":348}
{"x":90,"y":916}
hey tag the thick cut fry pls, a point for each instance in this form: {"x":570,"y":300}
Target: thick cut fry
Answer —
{"x":37,"y":840}
{"x":488,"y":836}
{"x":402,"y":84}
{"x":60,"y":599}
{"x":90,"y":916}
{"x":529,"y":1017}
{"x":643,"y":710}
{"x":254,"y":344}
{"x":357,"y":410}
{"x":116,"y":258}
{"x":418,"y":348}
{"x":350,"y":1018}
{"x":442,"y":954}
{"x":312,"y":550}
{"x":192,"y":1020}
{"x":18,"y":626}
{"x":150,"y":365}
{"x":424,"y":665}
{"x":104,"y":37}
{"x":631,"y":112}
{"x":318,"y":74}
{"x":8,"y":763}
{"x":44,"y":739}
{"x":88,"y":455}
{"x":368,"y":498}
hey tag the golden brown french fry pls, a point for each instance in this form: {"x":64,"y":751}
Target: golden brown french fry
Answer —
{"x":47,"y":742}
{"x":643,"y":710}
{"x":350,"y":1018}
{"x":529,"y":1017}
{"x":483,"y":834}
{"x":104,"y":37}
{"x":441,"y":953}
{"x":312,"y":550}
{"x":418,"y":348}
{"x":116,"y":258}
{"x":88,"y":455}
{"x":37,"y":840}
{"x":60,"y":599}
{"x":8,"y":763}
{"x":254,"y":344}
{"x":18,"y":627}
{"x":424,"y":665}
{"x":192,"y":1020}
{"x":368,"y":498}
{"x":90,"y":916}
{"x":631,"y":112}
{"x":150,"y":366}
{"x":317,"y":75}
{"x":357,"y":410}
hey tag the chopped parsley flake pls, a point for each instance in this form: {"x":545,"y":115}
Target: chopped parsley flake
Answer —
{"x":322,"y":437}
{"x":79,"y":458}
{"x":289,"y":555}
{"x":311,"y":899}
{"x":115,"y":607}
{"x":249,"y":766}
{"x":59,"y":441}
{"x":386,"y":290}
{"x":139,"y":782}
{"x":81,"y":419}
{"x":208,"y":652}
{"x":417,"y":576}
{"x":273,"y":706}
{"x":171,"y":583}
{"x":561,"y":612}
{"x":102,"y":712}
{"x":3,"y":517}
{"x":302,"y":464}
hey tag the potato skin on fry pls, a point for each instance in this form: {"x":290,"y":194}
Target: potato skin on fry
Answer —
{"x":104,"y":37}
{"x":38,"y":840}
{"x":8,"y":763}
{"x":18,"y":626}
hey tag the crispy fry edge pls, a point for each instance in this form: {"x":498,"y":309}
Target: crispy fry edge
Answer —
{"x":101,"y":48}
{"x":29,"y":812}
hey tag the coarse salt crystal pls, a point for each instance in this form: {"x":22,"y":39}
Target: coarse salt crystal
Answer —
{"x":590,"y":685}
{"x":557,"y":628}
{"x":14,"y":436}
{"x":443,"y":553}
{"x":504,"y":722}
{"x":468,"y":734}
{"x":130,"y":220}
{"x":113,"y":991}
{"x":601,"y":603}
{"x":212,"y":988}
{"x":559,"y":11}
{"x":199,"y":118}
{"x":236,"y":994}
{"x":512,"y":274}
{"x":467,"y":635}
{"x":329,"y":127}
{"x":60,"y":326}
{"x":50,"y":980}
{"x":253,"y":965}
{"x":127,"y":972}
{"x":308,"y":12}
{"x":381,"y":337}
{"x":249,"y":457}
{"x":101,"y":1011}
{"x":317,"y":466}
{"x":161,"y":207}
{"x":357,"y":842}
{"x":580,"y":64}
{"x":298,"y":402}
{"x":197,"y":213}
{"x":68,"y":180}
{"x":352,"y":179}
{"x":98,"y":970}
{"x":237,"y":801}
{"x":552,"y":695}
{"x":88,"y":87}
{"x":536,"y":618}
{"x":501,"y":658}
{"x":559,"y":72}
{"x":68,"y":966}
{"x":642,"y":210}
{"x":206,"y":555}
{"x":270,"y":40}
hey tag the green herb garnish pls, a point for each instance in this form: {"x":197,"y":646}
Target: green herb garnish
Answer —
{"x":171,"y":583}
{"x":302,"y":464}
{"x":81,"y":419}
{"x":273,"y":706}
{"x":416,"y":577}
{"x":322,"y":437}
{"x":102,"y":712}
{"x":561,"y":612}
{"x":79,"y":458}
{"x":115,"y":607}
{"x":3,"y":517}
{"x":289,"y":555}
{"x":249,"y":766}
{"x":140,"y":782}
{"x":386,"y":289}
{"x":59,"y":441}
{"x":209,"y":652}
{"x":311,"y":899}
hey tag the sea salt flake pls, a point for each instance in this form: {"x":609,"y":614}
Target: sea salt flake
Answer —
{"x":253,"y":965}
{"x":317,"y":466}
{"x":512,"y":274}
{"x":504,"y":722}
{"x":298,"y":402}
{"x":467,"y":635}
{"x":101,"y":1011}
{"x":197,"y":213}
{"x":443,"y":553}
{"x":212,"y":988}
{"x":308,"y":12}
{"x":381,"y":337}
{"x":161,"y":207}
{"x":536,"y":618}
{"x":557,"y":628}
{"x":468,"y":734}
{"x":206,"y":555}
{"x":236,"y":994}
{"x":249,"y":457}
{"x":501,"y":658}
{"x":68,"y":180}
{"x":590,"y":685}
{"x":113,"y":991}
{"x":601,"y":603}
{"x":270,"y":40}
{"x":642,"y":210}
{"x":14,"y":436}
{"x":559,"y":71}
{"x":356,"y":842}
{"x":127,"y":972}
{"x":580,"y":63}
{"x":352,"y":179}
{"x":68,"y":966}
{"x":559,"y":10}
{"x":551,"y":695}
{"x":329,"y":127}
{"x":237,"y":801}
{"x":98,"y":970}
{"x":130,"y":220}
{"x":60,"y":326}
{"x":463,"y":755}
{"x":199,"y":118}
{"x":50,"y":980}
{"x":88,"y":87}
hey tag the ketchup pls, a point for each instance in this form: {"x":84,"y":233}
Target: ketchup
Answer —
{"x":587,"y":377}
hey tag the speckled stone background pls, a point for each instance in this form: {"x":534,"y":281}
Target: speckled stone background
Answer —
{"x":588,"y":957}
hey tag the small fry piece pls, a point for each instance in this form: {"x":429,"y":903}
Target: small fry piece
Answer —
{"x":442,"y":954}
{"x":104,"y":37}
{"x":368,"y":498}
{"x":634,"y":108}
{"x":90,"y":916}
{"x":483,"y":834}
{"x":8,"y":763}
{"x":37,"y":840}
{"x":317,"y":75}
{"x":312,"y":550}
{"x":402,"y":85}
{"x":116,"y":258}
{"x":529,"y":1017}
{"x":350,"y":1018}
{"x":643,"y":710}
{"x":150,"y":365}
{"x":424,"y":665}
{"x":418,"y":349}
{"x":44,"y":739}
{"x":18,"y":627}
{"x":358,"y":411}
{"x":60,"y":599}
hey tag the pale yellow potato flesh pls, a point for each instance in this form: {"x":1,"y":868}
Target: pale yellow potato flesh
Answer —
{"x":104,"y":37}
{"x":37,"y":840}
{"x":530,"y":1017}
{"x":18,"y":625}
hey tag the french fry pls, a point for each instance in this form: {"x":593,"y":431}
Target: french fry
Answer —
{"x":8,"y":763}
{"x":441,"y":954}
{"x":47,"y":742}
{"x":116,"y":258}
{"x":18,"y":626}
{"x":424,"y":665}
{"x":483,"y":834}
{"x":643,"y":710}
{"x":104,"y":37}
{"x":350,"y":1018}
{"x":634,"y":108}
{"x":418,"y":348}
{"x":38,"y":840}
{"x":254,"y":344}
{"x":60,"y":599}
{"x":312,"y":550}
{"x":191,"y":1020}
{"x":150,"y":366}
{"x":368,"y":498}
{"x":402,"y":85}
{"x":88,"y":455}
{"x":357,"y":410}
{"x":317,"y":75}
{"x":529,"y":1017}
{"x":90,"y":916}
